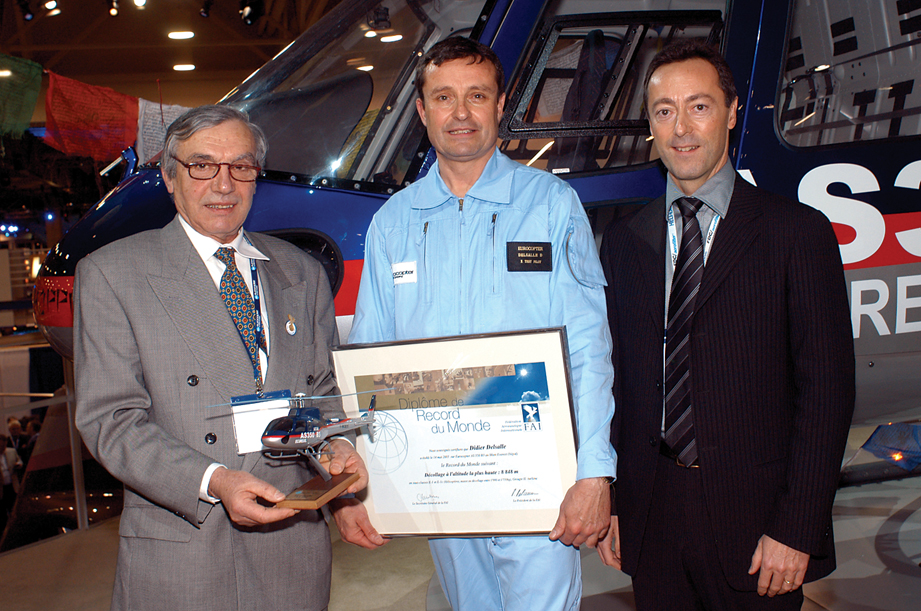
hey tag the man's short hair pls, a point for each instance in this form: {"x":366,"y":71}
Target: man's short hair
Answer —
{"x":205,"y":117}
{"x":684,"y":50}
{"x":458,"y":47}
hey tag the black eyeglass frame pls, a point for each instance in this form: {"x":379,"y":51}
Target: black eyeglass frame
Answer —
{"x":217,"y":168}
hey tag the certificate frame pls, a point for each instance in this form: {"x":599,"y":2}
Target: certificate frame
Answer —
{"x":465,"y":443}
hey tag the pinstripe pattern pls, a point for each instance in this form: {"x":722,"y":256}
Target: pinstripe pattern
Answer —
{"x":775,"y":389}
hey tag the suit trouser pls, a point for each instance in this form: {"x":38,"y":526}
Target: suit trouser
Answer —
{"x":678,"y":567}
{"x":508,"y":573}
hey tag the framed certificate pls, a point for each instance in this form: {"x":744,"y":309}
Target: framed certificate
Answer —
{"x":473,"y":435}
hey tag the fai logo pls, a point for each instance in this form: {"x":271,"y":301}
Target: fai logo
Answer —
{"x":530,"y":415}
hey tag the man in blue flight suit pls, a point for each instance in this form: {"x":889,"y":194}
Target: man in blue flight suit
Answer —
{"x":436,"y":264}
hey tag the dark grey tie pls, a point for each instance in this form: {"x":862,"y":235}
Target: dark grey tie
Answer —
{"x":689,"y":269}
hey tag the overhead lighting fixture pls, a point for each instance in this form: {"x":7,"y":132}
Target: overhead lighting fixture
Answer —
{"x":392,"y":38}
{"x":113,"y":8}
{"x":26,"y":11}
{"x":184,"y":67}
{"x":181,"y":35}
{"x":140,"y":3}
{"x":6,"y":73}
{"x":50,"y":5}
{"x":370,"y":34}
{"x":540,"y":152}
{"x":206,"y":8}
{"x":366,"y":68}
{"x":804,"y":119}
{"x":251,"y":10}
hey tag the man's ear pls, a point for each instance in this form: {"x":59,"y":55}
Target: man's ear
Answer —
{"x":500,"y":107}
{"x":420,"y":108}
{"x":167,"y":181}
{"x":733,"y":111}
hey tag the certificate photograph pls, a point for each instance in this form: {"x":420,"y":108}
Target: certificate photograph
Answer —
{"x":473,"y":435}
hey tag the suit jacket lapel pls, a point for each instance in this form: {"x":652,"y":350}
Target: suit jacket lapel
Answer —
{"x":282,"y":299}
{"x":648,"y":227}
{"x":286,"y":352}
{"x":733,"y":237}
{"x":187,"y":293}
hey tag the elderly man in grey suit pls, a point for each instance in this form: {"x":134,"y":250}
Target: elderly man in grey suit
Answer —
{"x":159,"y":357}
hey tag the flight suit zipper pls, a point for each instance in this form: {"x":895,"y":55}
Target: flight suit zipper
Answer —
{"x":491,"y":233}
{"x":427,"y":278}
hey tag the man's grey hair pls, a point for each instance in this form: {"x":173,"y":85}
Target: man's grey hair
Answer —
{"x":205,"y":117}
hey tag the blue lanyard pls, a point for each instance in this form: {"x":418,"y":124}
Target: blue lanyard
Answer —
{"x":258,"y":312}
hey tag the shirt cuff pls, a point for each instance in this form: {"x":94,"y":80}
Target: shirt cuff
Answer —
{"x":345,"y":439}
{"x":206,"y":481}
{"x":600,"y":463}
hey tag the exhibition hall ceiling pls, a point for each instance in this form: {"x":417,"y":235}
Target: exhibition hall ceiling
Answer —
{"x":132,"y":53}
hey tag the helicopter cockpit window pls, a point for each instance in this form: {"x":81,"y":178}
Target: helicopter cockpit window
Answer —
{"x":338,"y":103}
{"x":850,"y":74}
{"x":578,"y":105}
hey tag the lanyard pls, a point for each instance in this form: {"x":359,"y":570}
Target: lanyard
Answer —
{"x":258,"y":314}
{"x":673,"y":235}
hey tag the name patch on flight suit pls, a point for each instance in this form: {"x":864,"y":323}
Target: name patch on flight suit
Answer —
{"x":529,"y":257}
{"x":403,"y":273}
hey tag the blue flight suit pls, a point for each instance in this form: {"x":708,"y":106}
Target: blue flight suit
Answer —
{"x":459,"y":283}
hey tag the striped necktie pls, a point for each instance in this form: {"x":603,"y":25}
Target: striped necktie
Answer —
{"x":689,"y":269}
{"x":240,"y":305}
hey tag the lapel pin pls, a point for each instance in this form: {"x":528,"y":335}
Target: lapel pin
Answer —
{"x":290,"y":326}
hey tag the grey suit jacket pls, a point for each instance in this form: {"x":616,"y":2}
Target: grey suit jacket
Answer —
{"x":157,"y":361}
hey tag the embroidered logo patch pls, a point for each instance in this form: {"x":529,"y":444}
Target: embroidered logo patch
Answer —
{"x":529,"y":257}
{"x":403,"y":273}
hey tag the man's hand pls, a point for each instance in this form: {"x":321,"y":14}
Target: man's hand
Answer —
{"x":782,"y":567}
{"x":353,"y":523}
{"x":609,"y":547}
{"x":585,"y":513}
{"x":238,"y":491}
{"x":345,"y":459}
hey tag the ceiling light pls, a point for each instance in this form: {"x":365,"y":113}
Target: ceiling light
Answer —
{"x":26,"y":11}
{"x":392,"y":38}
{"x":6,"y":73}
{"x":370,"y":34}
{"x":113,"y":8}
{"x":206,"y":8}
{"x":184,"y":67}
{"x":366,"y":68}
{"x":181,"y":35}
{"x":53,"y":12}
{"x":140,"y":3}
{"x":251,"y":10}
{"x":50,"y":5}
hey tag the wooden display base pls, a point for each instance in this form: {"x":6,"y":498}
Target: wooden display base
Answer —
{"x":317,"y":492}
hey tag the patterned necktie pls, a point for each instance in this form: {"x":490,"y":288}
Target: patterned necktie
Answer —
{"x":240,"y":304}
{"x":689,"y":269}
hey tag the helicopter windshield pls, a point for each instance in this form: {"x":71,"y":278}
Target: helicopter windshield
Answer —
{"x":338,"y":101}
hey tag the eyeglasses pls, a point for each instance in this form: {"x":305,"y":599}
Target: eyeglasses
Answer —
{"x":206,"y":170}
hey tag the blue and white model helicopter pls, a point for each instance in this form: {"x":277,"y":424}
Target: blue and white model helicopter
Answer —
{"x":304,"y":433}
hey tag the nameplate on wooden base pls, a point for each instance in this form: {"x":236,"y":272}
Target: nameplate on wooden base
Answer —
{"x":318,"y":492}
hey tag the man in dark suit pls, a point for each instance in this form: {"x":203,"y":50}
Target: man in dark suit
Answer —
{"x":158,"y":359}
{"x":730,"y":435}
